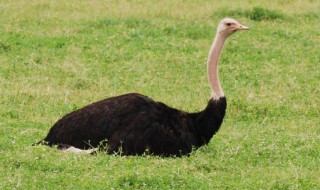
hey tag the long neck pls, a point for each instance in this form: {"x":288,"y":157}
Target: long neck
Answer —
{"x":212,"y":63}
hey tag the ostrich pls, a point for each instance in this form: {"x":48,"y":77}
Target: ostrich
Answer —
{"x":134,"y":124}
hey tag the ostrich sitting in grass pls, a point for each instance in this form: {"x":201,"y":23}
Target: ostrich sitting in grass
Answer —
{"x":133,"y":123}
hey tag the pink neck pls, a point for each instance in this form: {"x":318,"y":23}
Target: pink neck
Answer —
{"x":212,"y":62}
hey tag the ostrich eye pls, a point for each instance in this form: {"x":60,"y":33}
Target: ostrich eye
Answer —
{"x":229,"y":24}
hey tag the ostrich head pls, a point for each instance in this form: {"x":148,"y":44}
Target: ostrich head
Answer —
{"x":229,"y":26}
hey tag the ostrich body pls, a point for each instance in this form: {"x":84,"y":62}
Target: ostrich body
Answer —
{"x":133,"y":123}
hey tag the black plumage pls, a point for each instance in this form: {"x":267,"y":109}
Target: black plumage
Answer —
{"x":133,"y":124}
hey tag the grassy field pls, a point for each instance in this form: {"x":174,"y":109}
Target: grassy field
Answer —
{"x":57,"y":56}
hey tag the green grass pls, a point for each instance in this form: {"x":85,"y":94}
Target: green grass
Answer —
{"x":57,"y":56}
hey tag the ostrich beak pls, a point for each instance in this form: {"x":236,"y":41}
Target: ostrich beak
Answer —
{"x":241,"y":27}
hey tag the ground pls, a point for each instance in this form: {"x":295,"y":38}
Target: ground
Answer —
{"x":57,"y":56}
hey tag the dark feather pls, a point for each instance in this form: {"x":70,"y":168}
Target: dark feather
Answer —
{"x":133,"y":123}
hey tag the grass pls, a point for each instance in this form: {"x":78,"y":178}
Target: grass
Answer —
{"x":57,"y":56}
